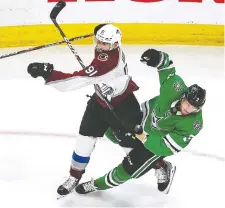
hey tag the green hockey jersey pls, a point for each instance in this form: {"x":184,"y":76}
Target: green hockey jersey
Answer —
{"x":168,"y":131}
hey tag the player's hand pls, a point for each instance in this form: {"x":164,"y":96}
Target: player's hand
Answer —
{"x":151,"y":57}
{"x":40,"y":70}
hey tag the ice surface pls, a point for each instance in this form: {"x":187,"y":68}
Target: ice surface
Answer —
{"x":39,"y":125}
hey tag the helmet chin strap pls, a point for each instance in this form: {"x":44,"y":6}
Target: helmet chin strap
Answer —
{"x":197,"y":109}
{"x":111,"y":46}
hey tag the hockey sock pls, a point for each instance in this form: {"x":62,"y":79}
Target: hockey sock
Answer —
{"x":113,"y":178}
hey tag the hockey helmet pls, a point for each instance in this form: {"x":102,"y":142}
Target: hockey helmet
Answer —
{"x":195,"y":95}
{"x":108,"y":33}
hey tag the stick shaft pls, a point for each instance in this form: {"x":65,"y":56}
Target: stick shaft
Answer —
{"x":44,"y":46}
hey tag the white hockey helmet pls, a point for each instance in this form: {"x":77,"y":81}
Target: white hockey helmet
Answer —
{"x":108,"y":33}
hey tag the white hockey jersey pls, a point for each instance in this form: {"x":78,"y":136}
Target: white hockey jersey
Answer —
{"x":108,"y":69}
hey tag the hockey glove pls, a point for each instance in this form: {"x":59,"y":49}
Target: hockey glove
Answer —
{"x":125,"y":139}
{"x":40,"y":70}
{"x":152,"y":57}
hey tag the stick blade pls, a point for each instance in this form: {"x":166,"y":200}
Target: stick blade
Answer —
{"x":57,"y":9}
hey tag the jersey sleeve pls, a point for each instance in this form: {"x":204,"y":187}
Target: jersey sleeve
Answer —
{"x":166,"y":145}
{"x":101,"y":68}
{"x":171,"y":85}
{"x":167,"y":69}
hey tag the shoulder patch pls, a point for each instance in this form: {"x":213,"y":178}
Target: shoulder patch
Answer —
{"x":103,"y":57}
{"x":177,"y":85}
{"x":197,"y":125}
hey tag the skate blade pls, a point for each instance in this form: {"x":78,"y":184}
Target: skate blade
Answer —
{"x":172,"y":173}
{"x":60,"y":196}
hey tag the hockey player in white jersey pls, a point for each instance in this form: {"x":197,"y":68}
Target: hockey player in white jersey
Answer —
{"x":109,"y":72}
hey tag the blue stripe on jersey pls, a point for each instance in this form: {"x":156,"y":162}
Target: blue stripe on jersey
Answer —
{"x":80,"y":159}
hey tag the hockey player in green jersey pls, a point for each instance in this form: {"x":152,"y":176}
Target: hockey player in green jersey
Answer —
{"x":169,"y":122}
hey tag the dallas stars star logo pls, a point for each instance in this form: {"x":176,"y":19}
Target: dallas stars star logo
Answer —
{"x":155,"y":120}
{"x":177,"y":85}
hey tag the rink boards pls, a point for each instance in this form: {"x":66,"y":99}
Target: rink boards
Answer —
{"x":141,"y":33}
{"x":184,"y":22}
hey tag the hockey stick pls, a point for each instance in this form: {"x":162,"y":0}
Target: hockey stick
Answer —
{"x":44,"y":46}
{"x":53,"y":15}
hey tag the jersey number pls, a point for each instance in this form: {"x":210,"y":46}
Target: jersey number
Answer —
{"x":91,"y":71}
{"x":188,"y":139}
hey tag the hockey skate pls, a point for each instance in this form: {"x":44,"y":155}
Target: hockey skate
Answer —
{"x":165,"y":177}
{"x":71,"y":182}
{"x":87,"y":187}
{"x":67,"y":187}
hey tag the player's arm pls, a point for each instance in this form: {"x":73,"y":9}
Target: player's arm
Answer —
{"x":97,"y":71}
{"x":92,"y":74}
{"x":161,"y":61}
{"x":165,"y":145}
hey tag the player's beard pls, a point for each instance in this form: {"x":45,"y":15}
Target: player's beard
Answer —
{"x":98,"y":49}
